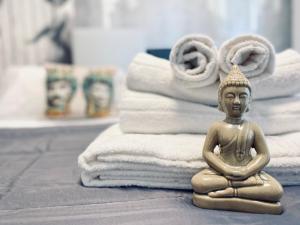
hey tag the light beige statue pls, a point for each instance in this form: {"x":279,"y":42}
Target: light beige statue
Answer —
{"x":234,"y":180}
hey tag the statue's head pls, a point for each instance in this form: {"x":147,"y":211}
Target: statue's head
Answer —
{"x":61,"y":86}
{"x":234,"y":94}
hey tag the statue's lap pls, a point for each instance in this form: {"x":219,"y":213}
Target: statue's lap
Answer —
{"x":208,"y":180}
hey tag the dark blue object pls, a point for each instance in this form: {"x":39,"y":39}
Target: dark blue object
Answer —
{"x":160,"y":52}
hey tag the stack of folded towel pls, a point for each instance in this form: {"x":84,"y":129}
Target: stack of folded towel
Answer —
{"x":167,"y":107}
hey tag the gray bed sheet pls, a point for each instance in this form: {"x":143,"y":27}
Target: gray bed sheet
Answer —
{"x":39,"y":184}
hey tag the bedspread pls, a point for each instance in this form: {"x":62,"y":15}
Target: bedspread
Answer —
{"x":40,"y":184}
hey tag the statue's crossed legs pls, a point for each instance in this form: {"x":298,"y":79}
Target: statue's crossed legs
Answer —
{"x":258,"y":191}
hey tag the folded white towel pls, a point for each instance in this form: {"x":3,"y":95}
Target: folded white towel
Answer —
{"x":284,"y":82}
{"x":151,"y":74}
{"x":194,"y":61}
{"x":150,"y":113}
{"x":169,"y":161}
{"x":254,"y":55}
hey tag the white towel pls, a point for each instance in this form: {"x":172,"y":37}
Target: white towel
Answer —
{"x":254,"y":55}
{"x":194,"y":61}
{"x":148,"y":73}
{"x":284,"y":82}
{"x":151,"y":74}
{"x":169,"y":161}
{"x":150,"y":113}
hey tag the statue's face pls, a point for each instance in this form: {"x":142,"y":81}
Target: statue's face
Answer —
{"x":100,"y":94}
{"x":59,"y":92}
{"x":235,"y":100}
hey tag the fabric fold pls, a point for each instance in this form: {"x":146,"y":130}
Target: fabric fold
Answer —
{"x":169,"y":161}
{"x":150,"y":113}
{"x":254,"y":55}
{"x":194,"y":61}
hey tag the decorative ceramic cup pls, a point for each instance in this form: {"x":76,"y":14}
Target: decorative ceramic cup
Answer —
{"x":61,"y":86}
{"x":98,"y":91}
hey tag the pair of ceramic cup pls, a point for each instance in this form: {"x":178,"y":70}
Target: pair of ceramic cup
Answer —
{"x":62,"y":84}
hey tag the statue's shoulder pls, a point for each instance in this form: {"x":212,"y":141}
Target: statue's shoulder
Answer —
{"x":255,"y":127}
{"x":215,"y":126}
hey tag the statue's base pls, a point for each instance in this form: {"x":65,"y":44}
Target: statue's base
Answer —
{"x":237,"y":204}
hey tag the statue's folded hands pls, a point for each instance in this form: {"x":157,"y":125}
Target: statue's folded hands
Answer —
{"x":237,"y":173}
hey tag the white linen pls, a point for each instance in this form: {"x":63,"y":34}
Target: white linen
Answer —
{"x":254,"y":55}
{"x":284,"y":82}
{"x":194,"y":61}
{"x":150,"y":74}
{"x":169,"y":161}
{"x":150,"y":113}
{"x":147,"y":73}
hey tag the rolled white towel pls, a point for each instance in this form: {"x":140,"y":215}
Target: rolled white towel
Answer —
{"x":151,"y":113}
{"x":169,"y":161}
{"x":194,"y":61}
{"x":254,"y":55}
{"x":147,"y":73}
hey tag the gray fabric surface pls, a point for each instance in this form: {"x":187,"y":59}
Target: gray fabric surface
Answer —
{"x":40,"y":185}
{"x":10,"y":170}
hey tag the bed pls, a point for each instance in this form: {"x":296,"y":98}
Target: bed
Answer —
{"x":40,"y":184}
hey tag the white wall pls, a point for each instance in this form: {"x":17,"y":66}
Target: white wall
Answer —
{"x":296,"y":25}
{"x":164,"y":21}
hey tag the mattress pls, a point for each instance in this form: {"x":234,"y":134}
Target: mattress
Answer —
{"x":40,"y":184}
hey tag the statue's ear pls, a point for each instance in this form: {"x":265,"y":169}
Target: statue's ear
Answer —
{"x":220,"y":107}
{"x":249,"y":105}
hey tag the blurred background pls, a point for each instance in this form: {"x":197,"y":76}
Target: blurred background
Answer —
{"x":96,"y":33}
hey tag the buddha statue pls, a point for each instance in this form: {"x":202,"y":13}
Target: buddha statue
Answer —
{"x":98,"y":91}
{"x":61,"y":86}
{"x":234,"y":179}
